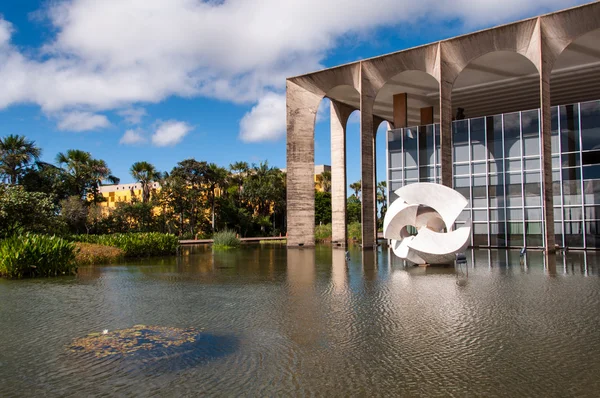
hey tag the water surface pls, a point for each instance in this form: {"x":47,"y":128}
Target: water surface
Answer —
{"x":308,"y":322}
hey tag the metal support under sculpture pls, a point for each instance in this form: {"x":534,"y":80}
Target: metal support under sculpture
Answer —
{"x":430,"y":209}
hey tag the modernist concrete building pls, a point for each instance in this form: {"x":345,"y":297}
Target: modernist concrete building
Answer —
{"x":509,"y":116}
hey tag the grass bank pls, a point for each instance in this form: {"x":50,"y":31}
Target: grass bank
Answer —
{"x":141,"y":244}
{"x":323,"y":233}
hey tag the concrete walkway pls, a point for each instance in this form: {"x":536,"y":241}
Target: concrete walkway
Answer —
{"x":248,"y":240}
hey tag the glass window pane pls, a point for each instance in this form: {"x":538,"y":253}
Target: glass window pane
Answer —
{"x":513,"y":214}
{"x":592,"y":234}
{"x":479,"y":168}
{"x":478,"y":138}
{"x":395,"y":140}
{"x":569,"y":128}
{"x":512,"y":135}
{"x":461,"y":169}
{"x":534,"y":164}
{"x":531,"y":132}
{"x":494,"y":136}
{"x":554,"y":137}
{"x":573,"y":234}
{"x":557,"y":213}
{"x":480,"y":215}
{"x":410,"y":147}
{"x":515,"y":234}
{"x":570,"y":159}
{"x":534,"y":234}
{"x":592,"y":212}
{"x":533,"y":214}
{"x":395,"y":174}
{"x":497,"y":234}
{"x":590,"y":125}
{"x":460,"y":138}
{"x":395,"y":159}
{"x":572,"y":213}
{"x":496,"y":214}
{"x":513,"y":165}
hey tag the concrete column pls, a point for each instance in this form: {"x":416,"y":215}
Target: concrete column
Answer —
{"x":446,"y":130}
{"x":302,"y":106}
{"x":400,"y":105}
{"x":339,"y":118}
{"x":367,"y":163}
{"x":546,"y":155}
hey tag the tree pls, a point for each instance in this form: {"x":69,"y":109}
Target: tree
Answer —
{"x":356,"y":186}
{"x":324,"y":181}
{"x":144,"y":173}
{"x":265,"y":192}
{"x":382,"y":197}
{"x":215,"y":177}
{"x":74,"y":213}
{"x":322,"y":208}
{"x":47,"y":178}
{"x":353,"y":209}
{"x":16,"y":153}
{"x":22,"y":211}
{"x":85,"y":174}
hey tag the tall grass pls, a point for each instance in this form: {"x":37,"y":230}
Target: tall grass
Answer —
{"x":355,"y":232}
{"x":224,"y":240}
{"x":91,"y":254}
{"x":323,"y":232}
{"x":142,"y":244}
{"x":31,"y":255}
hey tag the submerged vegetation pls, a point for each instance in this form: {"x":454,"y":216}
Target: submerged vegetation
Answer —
{"x":225,"y":240}
{"x":142,"y":244}
{"x":31,"y":255}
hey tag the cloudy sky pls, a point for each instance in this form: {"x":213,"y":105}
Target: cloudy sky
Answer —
{"x":165,"y":80}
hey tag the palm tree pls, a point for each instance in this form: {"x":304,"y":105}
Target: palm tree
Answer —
{"x":16,"y":153}
{"x":145,"y":173}
{"x":215,"y":177}
{"x":382,"y":197}
{"x":356,"y":186}
{"x":85,"y":173}
{"x":324,"y":181}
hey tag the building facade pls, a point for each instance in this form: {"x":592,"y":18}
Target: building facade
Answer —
{"x":508,"y":116}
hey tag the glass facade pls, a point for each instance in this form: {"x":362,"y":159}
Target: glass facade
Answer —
{"x":497,"y":167}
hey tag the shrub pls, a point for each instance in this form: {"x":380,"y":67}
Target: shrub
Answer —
{"x":323,"y":232}
{"x":30,"y":255}
{"x":91,"y":253}
{"x":141,"y":244}
{"x":225,"y":239}
{"x":355,"y":232}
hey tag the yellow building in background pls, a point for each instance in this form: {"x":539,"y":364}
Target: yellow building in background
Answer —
{"x":123,"y":193}
{"x":319,"y":169}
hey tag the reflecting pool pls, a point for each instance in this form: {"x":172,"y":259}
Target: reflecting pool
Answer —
{"x":271,"y":322}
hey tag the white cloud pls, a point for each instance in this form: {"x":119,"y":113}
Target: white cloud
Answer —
{"x":110,"y":54}
{"x":133,"y":115}
{"x":81,"y":121}
{"x":132,"y":137}
{"x":170,"y":133}
{"x":266,"y":121}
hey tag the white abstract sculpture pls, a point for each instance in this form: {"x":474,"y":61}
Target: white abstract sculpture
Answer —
{"x":430,"y":208}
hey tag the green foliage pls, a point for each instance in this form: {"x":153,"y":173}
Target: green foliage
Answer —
{"x":145,"y":173}
{"x":322,"y":207}
{"x":323,"y":232}
{"x":16,"y":153}
{"x":91,"y":254}
{"x":22,"y":211}
{"x":355,"y":232}
{"x":273,"y":242}
{"x":31,"y":255}
{"x":143,"y":244}
{"x":353,"y":209}
{"x":224,"y":240}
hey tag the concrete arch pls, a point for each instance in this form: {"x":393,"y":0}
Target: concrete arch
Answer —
{"x":520,"y":37}
{"x":496,"y":82}
{"x":575,"y":75}
{"x":559,"y":30}
{"x":421,"y":91}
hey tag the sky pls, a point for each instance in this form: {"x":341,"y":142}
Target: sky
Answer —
{"x":167,"y":80}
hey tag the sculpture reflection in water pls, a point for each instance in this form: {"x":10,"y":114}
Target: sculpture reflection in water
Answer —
{"x":430,"y":210}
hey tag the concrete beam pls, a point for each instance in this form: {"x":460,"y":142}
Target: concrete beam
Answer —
{"x":426,"y":115}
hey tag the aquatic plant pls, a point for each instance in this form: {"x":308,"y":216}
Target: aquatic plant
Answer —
{"x":31,"y":255}
{"x":92,"y":253}
{"x":225,"y":239}
{"x":138,"y":338}
{"x":140,"y":244}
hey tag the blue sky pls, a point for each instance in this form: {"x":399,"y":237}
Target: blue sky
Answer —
{"x":166,"y":80}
